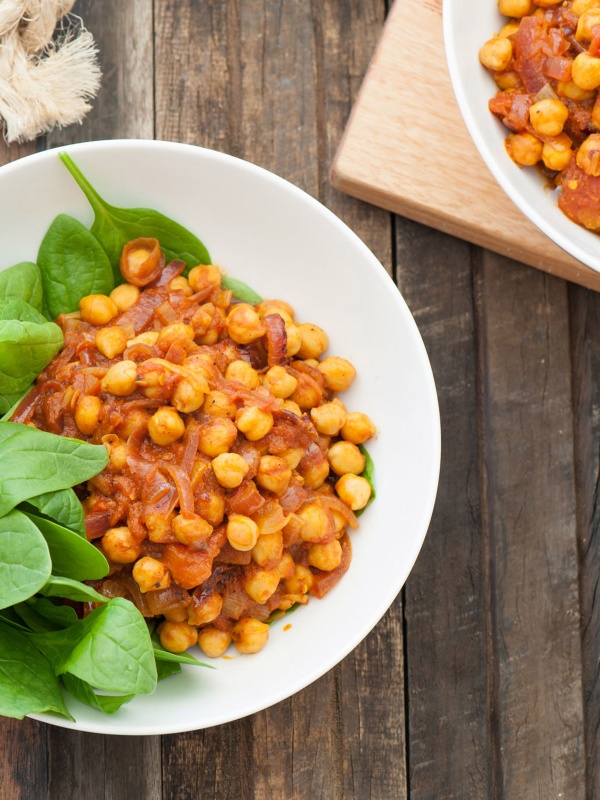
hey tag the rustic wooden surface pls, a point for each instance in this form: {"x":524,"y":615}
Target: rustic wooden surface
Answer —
{"x":482,"y":680}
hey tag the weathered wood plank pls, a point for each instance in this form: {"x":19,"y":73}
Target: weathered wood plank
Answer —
{"x":448,"y":755}
{"x":585,"y":345}
{"x":23,"y":762}
{"x":530,"y":517}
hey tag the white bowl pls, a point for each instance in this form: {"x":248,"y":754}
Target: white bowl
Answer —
{"x":284,"y":244}
{"x":467,"y":25}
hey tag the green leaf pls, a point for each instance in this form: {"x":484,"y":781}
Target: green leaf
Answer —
{"x":35,"y":462}
{"x":62,"y":506}
{"x":22,"y":282}
{"x":160,"y":654}
{"x":22,"y":310}
{"x":72,"y":555}
{"x":107,"y":703}
{"x":27,"y":682}
{"x":241,"y":291}
{"x":369,"y":475}
{"x":114,"y":227}
{"x":59,"y":614}
{"x":110,"y":649}
{"x":25,"y":563}
{"x":73,"y":265}
{"x":33,"y":620}
{"x":166,"y":668}
{"x":58,"y":586}
{"x":10,"y":402}
{"x":25,"y":349}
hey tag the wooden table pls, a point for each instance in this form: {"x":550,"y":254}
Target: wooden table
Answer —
{"x":482,"y":679}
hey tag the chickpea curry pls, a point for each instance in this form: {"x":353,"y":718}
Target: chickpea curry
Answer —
{"x":546,"y":64}
{"x":234,"y":469}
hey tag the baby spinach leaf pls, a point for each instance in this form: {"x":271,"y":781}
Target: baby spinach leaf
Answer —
{"x":22,"y":282}
{"x":108,"y":703}
{"x":25,"y":349}
{"x":10,"y":617}
{"x":25,"y":563}
{"x":114,"y":227}
{"x":62,"y":506}
{"x":72,"y":555}
{"x":10,"y":402}
{"x":27,"y":681}
{"x":110,"y":649}
{"x":73,"y":265}
{"x":58,"y":614}
{"x":35,"y":622}
{"x":22,"y":310}
{"x":35,"y":462}
{"x":166,"y":668}
{"x":368,"y":474}
{"x":241,"y":290}
{"x":160,"y":654}
{"x":58,"y":586}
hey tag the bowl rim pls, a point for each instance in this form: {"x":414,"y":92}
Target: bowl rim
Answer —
{"x":385,"y":599}
{"x":494,"y":162}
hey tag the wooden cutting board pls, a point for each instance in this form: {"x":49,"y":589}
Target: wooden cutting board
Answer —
{"x":406,"y":143}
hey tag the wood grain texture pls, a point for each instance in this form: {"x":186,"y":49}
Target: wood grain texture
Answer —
{"x":530,"y":519}
{"x":445,"y":654}
{"x":392,"y":128}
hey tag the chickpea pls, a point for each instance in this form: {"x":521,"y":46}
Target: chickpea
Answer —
{"x":120,"y":379}
{"x":205,"y":609}
{"x":87,"y":413}
{"x":212,"y":508}
{"x":314,"y":341}
{"x":328,"y":418}
{"x":189,"y":394}
{"x":339,"y":523}
{"x":160,"y":527}
{"x":496,"y":54}
{"x":294,"y":339}
{"x":176,"y":637}
{"x":111,"y":341}
{"x":579,"y":7}
{"x":588,"y":155}
{"x":203,"y":276}
{"x":165,"y":426}
{"x":268,"y":549}
{"x":301,"y":581}
{"x":148,"y":337}
{"x":547,"y":3}
{"x":524,"y":148}
{"x":338,"y":373}
{"x":150,"y":574}
{"x":307,"y":394}
{"x":176,"y":614}
{"x":326,"y":556}
{"x":572,"y":92}
{"x":292,"y":456}
{"x":586,"y":23}
{"x":275,"y":307}
{"x":175,"y":333}
{"x":509,"y":29}
{"x":557,"y":152}
{"x":250,"y":635}
{"x":217,"y":436}
{"x":507,"y":80}
{"x":97,"y":309}
{"x":135,"y":419}
{"x":190,"y":530}
{"x":279,"y":382}
{"x":345,"y":457}
{"x":120,"y":546}
{"x":548,"y":117}
{"x":286,"y":566}
{"x":253,"y":422}
{"x":316,"y":522}
{"x":230,"y":469}
{"x":291,"y":405}
{"x":273,"y":474}
{"x":125,"y":296}
{"x":354,"y":491}
{"x":515,"y":8}
{"x":117,"y":454}
{"x":242,"y":371}
{"x":181,"y":284}
{"x":585,"y":72}
{"x":261,"y":584}
{"x":213,"y":642}
{"x":315,"y":475}
{"x":242,"y":532}
{"x":358,"y":428}
{"x":244,"y":325}
{"x":217,"y":404}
